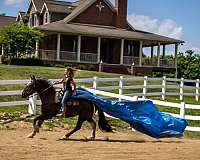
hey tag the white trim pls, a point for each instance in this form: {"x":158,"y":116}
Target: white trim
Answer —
{"x":130,"y":26}
{"x":122,"y":51}
{"x":158,"y":55}
{"x":2,"y":50}
{"x":19,"y":16}
{"x":110,"y":5}
{"x":58,"y":47}
{"x":37,"y":49}
{"x":176,"y":54}
{"x":48,"y":18}
{"x":79,"y":49}
{"x":140,"y":53}
{"x":68,"y":18}
{"x":71,"y":16}
{"x":44,"y":5}
{"x":99,"y":50}
{"x":33,"y":5}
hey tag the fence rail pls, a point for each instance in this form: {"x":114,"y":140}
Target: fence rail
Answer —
{"x":120,"y":95}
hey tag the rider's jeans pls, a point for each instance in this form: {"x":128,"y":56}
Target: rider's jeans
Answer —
{"x":66,"y":97}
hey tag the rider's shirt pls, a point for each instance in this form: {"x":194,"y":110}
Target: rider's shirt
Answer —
{"x":67,"y":83}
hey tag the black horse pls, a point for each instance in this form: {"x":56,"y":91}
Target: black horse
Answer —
{"x":83,"y":108}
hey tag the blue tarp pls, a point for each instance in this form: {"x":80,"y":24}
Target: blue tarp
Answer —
{"x":141,"y":115}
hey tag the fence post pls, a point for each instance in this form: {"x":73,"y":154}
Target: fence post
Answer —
{"x":120,"y":87}
{"x":145,"y":87}
{"x":95,"y":83}
{"x":197,"y":90}
{"x":32,"y":105}
{"x":181,"y":88}
{"x":182,"y":110}
{"x":163,"y":87}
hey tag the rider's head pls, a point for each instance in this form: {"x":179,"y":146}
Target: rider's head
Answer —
{"x":69,"y":71}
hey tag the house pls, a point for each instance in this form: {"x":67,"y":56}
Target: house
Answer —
{"x":22,"y":17}
{"x":5,"y":21}
{"x":97,"y":32}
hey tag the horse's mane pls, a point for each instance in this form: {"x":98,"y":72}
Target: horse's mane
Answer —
{"x":45,"y":82}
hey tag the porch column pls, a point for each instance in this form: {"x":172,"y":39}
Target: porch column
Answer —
{"x":164,"y":49}
{"x":152,"y":50}
{"x":140,"y":54}
{"x":122,"y":52}
{"x":99,"y":50}
{"x":58,"y":47}
{"x":175,"y":62}
{"x":37,"y":49}
{"x":79,"y":49}
{"x":2,"y":50}
{"x":158,"y":55}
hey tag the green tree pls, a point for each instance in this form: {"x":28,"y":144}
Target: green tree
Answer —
{"x":2,"y":14}
{"x":189,"y":65}
{"x":19,"y":40}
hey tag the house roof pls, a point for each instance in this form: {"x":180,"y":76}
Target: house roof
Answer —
{"x":22,"y":15}
{"x":6,"y":21}
{"x":108,"y":32}
{"x":60,"y":6}
{"x":38,"y":4}
{"x":82,"y":5}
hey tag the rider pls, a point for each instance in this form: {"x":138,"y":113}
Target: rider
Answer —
{"x":67,"y":82}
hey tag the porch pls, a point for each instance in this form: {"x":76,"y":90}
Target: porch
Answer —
{"x":96,"y":50}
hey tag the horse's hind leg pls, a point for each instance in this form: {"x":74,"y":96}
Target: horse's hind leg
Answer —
{"x":93,"y":125}
{"x":78,"y":126}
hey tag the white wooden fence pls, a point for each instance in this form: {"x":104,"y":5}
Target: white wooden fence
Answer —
{"x":121,"y":81}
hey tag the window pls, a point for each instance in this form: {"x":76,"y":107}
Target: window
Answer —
{"x":30,"y":20}
{"x":46,"y":17}
{"x":35,"y":20}
{"x":130,"y":49}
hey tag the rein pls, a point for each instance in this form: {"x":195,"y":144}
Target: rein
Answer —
{"x":41,"y":91}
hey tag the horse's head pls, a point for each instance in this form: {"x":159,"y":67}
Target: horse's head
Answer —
{"x":30,"y":88}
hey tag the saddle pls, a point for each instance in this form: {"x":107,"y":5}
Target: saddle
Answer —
{"x":71,"y":102}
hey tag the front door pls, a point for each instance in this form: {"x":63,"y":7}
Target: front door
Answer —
{"x":110,"y":51}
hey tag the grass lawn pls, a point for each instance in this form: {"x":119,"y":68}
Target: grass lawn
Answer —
{"x":11,"y":72}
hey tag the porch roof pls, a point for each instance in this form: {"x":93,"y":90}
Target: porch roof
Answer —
{"x":107,"y":32}
{"x":6,"y":21}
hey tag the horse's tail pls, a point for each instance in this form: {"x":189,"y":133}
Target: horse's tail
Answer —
{"x":103,"y":123}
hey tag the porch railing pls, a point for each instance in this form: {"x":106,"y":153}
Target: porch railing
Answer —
{"x":47,"y":54}
{"x":130,"y":60}
{"x":149,"y":61}
{"x":93,"y":58}
{"x":89,"y":57}
{"x":66,"y":55}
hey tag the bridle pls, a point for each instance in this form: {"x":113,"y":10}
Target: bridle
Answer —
{"x":41,"y":91}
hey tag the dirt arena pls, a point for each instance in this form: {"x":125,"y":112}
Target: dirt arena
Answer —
{"x":121,"y":145}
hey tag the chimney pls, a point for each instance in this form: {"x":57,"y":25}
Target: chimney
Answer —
{"x":121,"y":17}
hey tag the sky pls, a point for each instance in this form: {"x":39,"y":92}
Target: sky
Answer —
{"x":178,"y":19}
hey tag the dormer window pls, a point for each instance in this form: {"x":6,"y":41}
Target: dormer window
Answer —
{"x":46,"y":17}
{"x":35,"y":20}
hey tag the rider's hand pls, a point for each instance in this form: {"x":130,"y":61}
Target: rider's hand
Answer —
{"x":54,"y":83}
{"x":74,"y":93}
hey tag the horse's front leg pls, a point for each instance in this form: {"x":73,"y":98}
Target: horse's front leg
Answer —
{"x":35,"y":128}
{"x":37,"y":122}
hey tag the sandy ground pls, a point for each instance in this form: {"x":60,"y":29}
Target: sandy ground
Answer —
{"x":121,"y":145}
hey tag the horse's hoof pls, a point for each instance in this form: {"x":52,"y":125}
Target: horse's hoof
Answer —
{"x":64,"y":138}
{"x":30,"y":135}
{"x":106,"y":138}
{"x":36,"y":129}
{"x":91,"y":138}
